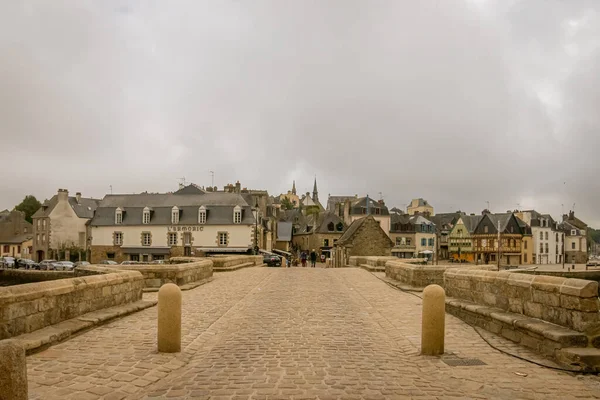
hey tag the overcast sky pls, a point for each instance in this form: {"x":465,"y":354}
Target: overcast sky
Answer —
{"x":459,"y":102}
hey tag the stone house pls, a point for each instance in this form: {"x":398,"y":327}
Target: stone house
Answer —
{"x":575,"y":244}
{"x":460,"y":244}
{"x":60,"y":227}
{"x":355,"y":208}
{"x":146,"y":227}
{"x":364,"y":237}
{"x":15,"y":235}
{"x":419,"y":206}
{"x":318,"y":231}
{"x":487,"y":243}
{"x":547,"y":246}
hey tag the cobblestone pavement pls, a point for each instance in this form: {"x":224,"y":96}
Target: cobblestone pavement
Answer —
{"x":298,"y":333}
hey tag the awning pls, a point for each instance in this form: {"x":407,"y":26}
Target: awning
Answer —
{"x":146,"y":250}
{"x":223,"y":249}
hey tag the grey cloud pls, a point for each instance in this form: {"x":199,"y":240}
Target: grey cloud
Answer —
{"x":444,"y":100}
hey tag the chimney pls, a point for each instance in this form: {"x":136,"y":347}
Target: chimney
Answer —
{"x":63,"y":194}
{"x":347,"y":212}
{"x":571,"y":214}
{"x":238,"y":187}
{"x":78,"y":197}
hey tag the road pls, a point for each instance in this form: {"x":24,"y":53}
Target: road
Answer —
{"x":297,"y":333}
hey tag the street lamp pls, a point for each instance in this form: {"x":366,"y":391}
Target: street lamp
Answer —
{"x":255,"y":213}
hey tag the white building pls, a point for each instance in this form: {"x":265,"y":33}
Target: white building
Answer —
{"x":547,"y":238}
{"x":146,"y":227}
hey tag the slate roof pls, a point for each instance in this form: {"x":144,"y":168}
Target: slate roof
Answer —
{"x":84,"y":209}
{"x":361,"y":203}
{"x":471,"y":221}
{"x":324,"y":220}
{"x":192,"y":188}
{"x":15,"y":239}
{"x":445,"y":221}
{"x":219,"y":208}
{"x":284,"y":231}
{"x":354,"y":226}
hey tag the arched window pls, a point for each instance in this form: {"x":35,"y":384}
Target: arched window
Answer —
{"x":330,"y":227}
{"x":202,"y":215}
{"x":146,"y":216}
{"x":118,"y":216}
{"x":237,"y":215}
{"x":340,"y":227}
{"x":175,"y":215}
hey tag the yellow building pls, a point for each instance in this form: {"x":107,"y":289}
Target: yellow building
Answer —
{"x":419,"y":206}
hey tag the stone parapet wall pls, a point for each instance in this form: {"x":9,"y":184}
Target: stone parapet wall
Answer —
{"x":156,"y":275}
{"x":231,"y":261}
{"x":27,"y":308}
{"x":373,"y":261}
{"x":572,"y":303}
{"x":21,"y":276}
{"x":420,"y":276}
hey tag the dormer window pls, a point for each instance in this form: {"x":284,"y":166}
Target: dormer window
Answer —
{"x":340,"y":227}
{"x":146,"y":216}
{"x":237,"y":215}
{"x":330,"y":227}
{"x":175,"y":215}
{"x":202,"y":215}
{"x":118,"y":216}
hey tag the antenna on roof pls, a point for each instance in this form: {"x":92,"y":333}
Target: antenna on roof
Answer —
{"x":213,"y":178}
{"x":110,"y":189}
{"x":488,"y":204}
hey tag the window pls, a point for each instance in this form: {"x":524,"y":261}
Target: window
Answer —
{"x":158,"y":257}
{"x":541,"y":248}
{"x":6,"y":248}
{"x":146,"y":216}
{"x":546,"y":235}
{"x":39,"y":224}
{"x":325,"y":242}
{"x":557,"y":237}
{"x":431,"y":242}
{"x":340,"y":227}
{"x":573,"y":246}
{"x":525,"y":245}
{"x":485,"y":229}
{"x":573,"y":232}
{"x":118,"y":238}
{"x":237,"y":215}
{"x":110,"y":256}
{"x":172,"y":238}
{"x":175,"y":215}
{"x":44,"y":224}
{"x":525,"y":257}
{"x":222,"y":238}
{"x":25,"y":230}
{"x":399,"y":241}
{"x":43,"y":238}
{"x":146,"y":238}
{"x":19,"y":249}
{"x":547,"y":251}
{"x":377,"y":211}
{"x":118,"y":216}
{"x":134,"y":257}
{"x":541,"y":235}
{"x":330,"y":227}
{"x":423,"y":242}
{"x":408,"y":242}
{"x":187,"y":238}
{"x":37,"y":238}
{"x":202,"y":215}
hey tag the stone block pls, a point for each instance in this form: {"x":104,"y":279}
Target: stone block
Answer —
{"x":546,"y":297}
{"x":584,"y":321}
{"x":547,"y":283}
{"x":587,"y":304}
{"x":515,"y":305}
{"x":13,"y":371}
{"x":579,"y":288}
{"x":534,"y":310}
{"x":511,"y":334}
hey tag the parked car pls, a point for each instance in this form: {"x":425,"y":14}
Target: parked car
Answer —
{"x":80,"y":264}
{"x":48,"y":265}
{"x":7,"y":262}
{"x":158,"y":262}
{"x":64,"y":266}
{"x":130,"y":262}
{"x":27,"y":264}
{"x":272,"y":260}
{"x":593,"y":263}
{"x":108,"y":262}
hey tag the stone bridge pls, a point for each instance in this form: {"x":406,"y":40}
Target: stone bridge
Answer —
{"x":297,"y":333}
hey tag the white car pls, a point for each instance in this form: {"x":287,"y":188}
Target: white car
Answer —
{"x":64,"y":266}
{"x":7,"y":262}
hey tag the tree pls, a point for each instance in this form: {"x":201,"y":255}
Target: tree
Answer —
{"x":29,"y":206}
{"x":287,"y":204}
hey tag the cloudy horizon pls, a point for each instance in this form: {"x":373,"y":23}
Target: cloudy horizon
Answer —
{"x":459,"y":102}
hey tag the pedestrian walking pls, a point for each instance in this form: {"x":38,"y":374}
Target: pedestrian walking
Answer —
{"x":313,"y":258}
{"x":303,"y":258}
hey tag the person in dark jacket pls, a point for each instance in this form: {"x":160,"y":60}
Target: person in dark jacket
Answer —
{"x":303,"y":258}
{"x":313,"y":258}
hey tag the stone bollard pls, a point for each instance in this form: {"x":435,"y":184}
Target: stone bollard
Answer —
{"x":433,"y":321}
{"x":169,"y":318}
{"x":13,"y":371}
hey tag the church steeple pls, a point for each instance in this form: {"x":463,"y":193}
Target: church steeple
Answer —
{"x":294,"y":188}
{"x":315,"y":192}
